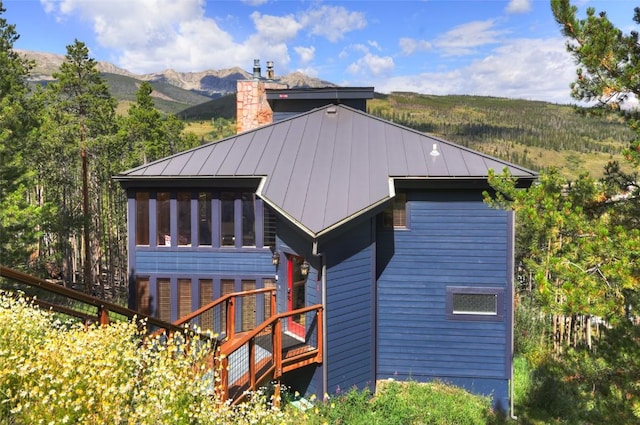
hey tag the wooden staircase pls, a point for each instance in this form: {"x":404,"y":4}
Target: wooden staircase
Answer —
{"x":251,"y":357}
{"x":248,"y":356}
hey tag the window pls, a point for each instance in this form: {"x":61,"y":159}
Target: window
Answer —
{"x":142,"y":295}
{"x":269,"y":227}
{"x":207,"y":219}
{"x":184,"y":218}
{"x":163,"y":218}
{"x":184,"y":297}
{"x":142,"y":218}
{"x":248,"y":219}
{"x":206,"y":297}
{"x":164,"y":299}
{"x":204,"y":218}
{"x":248,"y":306}
{"x":471,"y":303}
{"x":395,"y":216}
{"x":227,"y":228}
{"x":268,"y":283}
{"x":227,"y":287}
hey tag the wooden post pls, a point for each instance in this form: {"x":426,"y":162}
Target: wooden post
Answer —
{"x":103,"y":315}
{"x":277,"y":348}
{"x":273,"y":303}
{"x":231,"y":319}
{"x":224,"y":379}
{"x":276,"y":393}
{"x":252,"y":364}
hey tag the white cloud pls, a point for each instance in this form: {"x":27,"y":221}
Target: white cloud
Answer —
{"x":374,"y":65}
{"x":310,"y":71}
{"x":332,"y":22}
{"x":519,"y":6}
{"x":276,"y":28}
{"x":537,"y":69}
{"x":306,"y":53}
{"x":254,"y":2}
{"x":151,"y":35}
{"x":462,"y":39}
{"x":409,"y":46}
{"x":374,"y":44}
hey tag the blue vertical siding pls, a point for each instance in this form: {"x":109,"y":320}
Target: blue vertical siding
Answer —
{"x":350,"y":309}
{"x":453,"y":240}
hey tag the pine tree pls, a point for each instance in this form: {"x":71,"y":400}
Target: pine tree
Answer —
{"x":19,"y":210}
{"x":80,"y":120}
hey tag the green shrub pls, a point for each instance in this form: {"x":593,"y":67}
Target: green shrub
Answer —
{"x":405,"y":403}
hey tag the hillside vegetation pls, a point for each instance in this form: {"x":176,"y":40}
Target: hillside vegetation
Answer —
{"x":533,"y":134}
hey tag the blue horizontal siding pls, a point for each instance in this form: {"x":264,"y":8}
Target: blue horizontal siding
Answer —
{"x":232,"y":262}
{"x":453,"y":240}
{"x":350,"y":330}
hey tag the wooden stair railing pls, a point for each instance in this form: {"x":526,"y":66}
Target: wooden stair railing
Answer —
{"x":102,"y":308}
{"x":228,"y":304}
{"x":278,"y":361}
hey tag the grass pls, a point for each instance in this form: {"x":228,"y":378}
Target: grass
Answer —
{"x":406,"y":403}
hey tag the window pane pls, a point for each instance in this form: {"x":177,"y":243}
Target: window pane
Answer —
{"x":227,"y":228}
{"x":268,"y":283}
{"x":142,"y":295}
{"x":227,"y":287}
{"x":204,"y":218}
{"x":163,"y":218}
{"x":475,"y":304}
{"x":184,"y":218}
{"x":248,"y":306}
{"x":396,"y":213}
{"x":206,"y":297}
{"x":269,"y":221}
{"x":248,"y":219}
{"x":184,"y":297}
{"x":142,"y":218}
{"x":164,"y":300}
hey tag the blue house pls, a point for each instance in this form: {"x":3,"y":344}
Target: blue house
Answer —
{"x":383,"y":226}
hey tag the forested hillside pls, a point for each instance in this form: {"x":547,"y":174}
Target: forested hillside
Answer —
{"x":534,"y":134}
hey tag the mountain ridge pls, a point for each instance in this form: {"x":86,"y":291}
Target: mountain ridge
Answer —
{"x":211,"y":83}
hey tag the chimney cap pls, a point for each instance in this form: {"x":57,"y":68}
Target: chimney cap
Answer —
{"x":257,"y":72}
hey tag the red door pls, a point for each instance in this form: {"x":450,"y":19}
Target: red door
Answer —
{"x":296,"y":295}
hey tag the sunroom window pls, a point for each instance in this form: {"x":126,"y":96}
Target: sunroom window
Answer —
{"x":184,"y":218}
{"x":142,"y":218}
{"x":227,"y":218}
{"x":163,"y":218}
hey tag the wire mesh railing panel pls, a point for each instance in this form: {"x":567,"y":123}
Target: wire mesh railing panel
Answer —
{"x":263,"y":351}
{"x":212,"y":320}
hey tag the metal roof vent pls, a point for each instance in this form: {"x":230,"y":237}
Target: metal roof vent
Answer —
{"x":332,"y":110}
{"x":270,"y":72}
{"x":256,"y":69}
{"x":434,"y":150}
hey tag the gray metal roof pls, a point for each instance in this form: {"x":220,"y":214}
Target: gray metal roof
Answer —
{"x":327,"y":166}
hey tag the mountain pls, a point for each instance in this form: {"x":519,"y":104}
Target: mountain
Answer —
{"x":169,"y":85}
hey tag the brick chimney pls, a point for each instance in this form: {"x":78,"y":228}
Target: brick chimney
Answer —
{"x":252,"y":108}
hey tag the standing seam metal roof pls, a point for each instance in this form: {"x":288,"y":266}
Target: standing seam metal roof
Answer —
{"x":326,"y":166}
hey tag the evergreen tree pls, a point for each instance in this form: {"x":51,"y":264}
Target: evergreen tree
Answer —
{"x":19,"y":210}
{"x":148,"y":135}
{"x":608,"y":70}
{"x":80,"y":121}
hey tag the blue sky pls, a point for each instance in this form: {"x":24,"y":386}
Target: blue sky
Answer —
{"x":505,"y":48}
